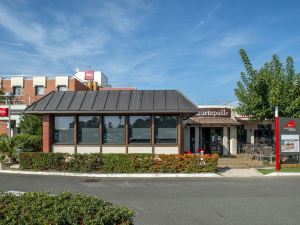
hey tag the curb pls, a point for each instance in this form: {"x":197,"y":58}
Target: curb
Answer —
{"x":114,"y":175}
{"x":282,"y":174}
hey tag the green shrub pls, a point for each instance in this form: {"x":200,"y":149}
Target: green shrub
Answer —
{"x":118,"y":163}
{"x":65,"y":208}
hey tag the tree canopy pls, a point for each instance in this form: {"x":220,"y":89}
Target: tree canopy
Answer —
{"x":274,"y":84}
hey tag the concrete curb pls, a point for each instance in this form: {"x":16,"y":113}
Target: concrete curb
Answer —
{"x":282,"y":174}
{"x":113,"y":175}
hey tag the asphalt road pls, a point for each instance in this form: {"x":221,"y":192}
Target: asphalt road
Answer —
{"x":187,"y":201}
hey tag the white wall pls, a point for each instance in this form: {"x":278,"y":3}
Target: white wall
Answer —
{"x":166,"y":150}
{"x":139,"y":149}
{"x":88,"y":149}
{"x":233,"y":140}
{"x":99,"y":77}
{"x":112,"y":149}
{"x":63,"y":149}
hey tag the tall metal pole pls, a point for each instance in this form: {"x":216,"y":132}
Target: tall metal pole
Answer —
{"x":277,"y":138}
{"x":9,"y":122}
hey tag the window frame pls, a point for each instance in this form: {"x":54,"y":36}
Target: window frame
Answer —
{"x":156,"y":127}
{"x":74,"y":130}
{"x":60,"y":86}
{"x":99,"y":131}
{"x":103,"y":128}
{"x":36,"y":90}
{"x":139,"y":144}
{"x":17,"y":87}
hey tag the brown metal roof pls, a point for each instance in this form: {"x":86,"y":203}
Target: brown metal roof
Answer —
{"x":212,"y":121}
{"x":114,"y":101}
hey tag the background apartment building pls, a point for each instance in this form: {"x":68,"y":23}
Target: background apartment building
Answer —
{"x":29,"y":88}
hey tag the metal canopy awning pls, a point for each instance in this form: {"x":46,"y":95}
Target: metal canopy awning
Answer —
{"x":114,"y":101}
{"x":212,"y":121}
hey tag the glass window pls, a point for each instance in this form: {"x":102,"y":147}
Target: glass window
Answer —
{"x":64,"y":130}
{"x":39,"y":90}
{"x":166,"y":129}
{"x":114,"y":129}
{"x":17,"y":90}
{"x":140,"y":129}
{"x":88,"y":129}
{"x":62,"y":88}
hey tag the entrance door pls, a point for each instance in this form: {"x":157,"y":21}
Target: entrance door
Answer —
{"x":192,"y":139}
{"x":212,"y":139}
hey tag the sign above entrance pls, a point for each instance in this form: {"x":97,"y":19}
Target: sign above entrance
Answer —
{"x":214,"y":112}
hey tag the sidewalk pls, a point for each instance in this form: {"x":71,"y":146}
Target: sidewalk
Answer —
{"x":250,"y":172}
{"x":113,"y":175}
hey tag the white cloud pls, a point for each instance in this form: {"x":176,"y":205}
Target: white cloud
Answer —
{"x":53,"y":43}
{"x":229,"y":42}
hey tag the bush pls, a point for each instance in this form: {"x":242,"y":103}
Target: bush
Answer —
{"x":29,"y":142}
{"x":118,"y":163}
{"x":65,"y":208}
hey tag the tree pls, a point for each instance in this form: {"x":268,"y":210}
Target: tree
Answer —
{"x":30,"y":136}
{"x":8,"y":147}
{"x":259,"y":91}
{"x":31,"y":124}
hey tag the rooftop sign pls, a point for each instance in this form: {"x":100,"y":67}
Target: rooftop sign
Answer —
{"x":89,"y":75}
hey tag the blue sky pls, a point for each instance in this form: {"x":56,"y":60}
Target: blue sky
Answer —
{"x":188,"y":45}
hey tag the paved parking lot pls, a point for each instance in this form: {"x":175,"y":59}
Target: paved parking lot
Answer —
{"x":266,"y":200}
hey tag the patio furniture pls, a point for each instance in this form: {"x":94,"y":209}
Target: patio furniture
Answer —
{"x":267,"y":152}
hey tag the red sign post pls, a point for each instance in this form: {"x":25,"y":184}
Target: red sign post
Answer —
{"x":3,"y":112}
{"x":277,"y":138}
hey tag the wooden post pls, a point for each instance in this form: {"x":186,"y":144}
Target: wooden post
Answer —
{"x":153,"y":133}
{"x":126,"y":132}
{"x":179,"y":128}
{"x":100,"y":132}
{"x":75,"y":133}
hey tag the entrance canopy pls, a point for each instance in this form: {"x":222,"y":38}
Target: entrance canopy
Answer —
{"x":197,"y":120}
{"x":114,"y":102}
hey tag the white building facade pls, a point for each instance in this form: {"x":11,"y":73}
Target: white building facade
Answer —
{"x":218,"y":129}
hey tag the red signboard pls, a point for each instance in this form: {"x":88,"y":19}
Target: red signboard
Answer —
{"x":89,"y":75}
{"x":3,"y":112}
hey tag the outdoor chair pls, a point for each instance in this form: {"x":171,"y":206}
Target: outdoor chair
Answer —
{"x":267,"y":152}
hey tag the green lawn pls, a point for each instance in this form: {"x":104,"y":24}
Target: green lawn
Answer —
{"x":289,"y":170}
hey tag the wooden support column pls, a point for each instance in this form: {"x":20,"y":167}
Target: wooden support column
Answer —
{"x":100,"y":132}
{"x":126,"y":132}
{"x":75,"y":133}
{"x":179,"y":128}
{"x":153,"y":133}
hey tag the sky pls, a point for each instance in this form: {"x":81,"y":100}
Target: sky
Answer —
{"x":190,"y":45}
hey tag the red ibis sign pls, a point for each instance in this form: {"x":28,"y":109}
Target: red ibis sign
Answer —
{"x":89,"y":75}
{"x":3,"y":112}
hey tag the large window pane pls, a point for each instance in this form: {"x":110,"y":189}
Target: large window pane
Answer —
{"x":166,"y":129}
{"x":140,"y":129}
{"x":64,"y":130}
{"x":88,"y":129}
{"x":114,"y":129}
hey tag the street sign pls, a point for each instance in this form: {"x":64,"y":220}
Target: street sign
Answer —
{"x":3,"y":112}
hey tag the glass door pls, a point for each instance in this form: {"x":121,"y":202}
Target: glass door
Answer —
{"x":212,"y":139}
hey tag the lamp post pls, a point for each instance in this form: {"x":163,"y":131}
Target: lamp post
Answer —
{"x":8,"y":96}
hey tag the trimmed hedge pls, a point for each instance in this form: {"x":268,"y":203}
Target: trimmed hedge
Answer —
{"x":118,"y":163}
{"x":65,"y":208}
